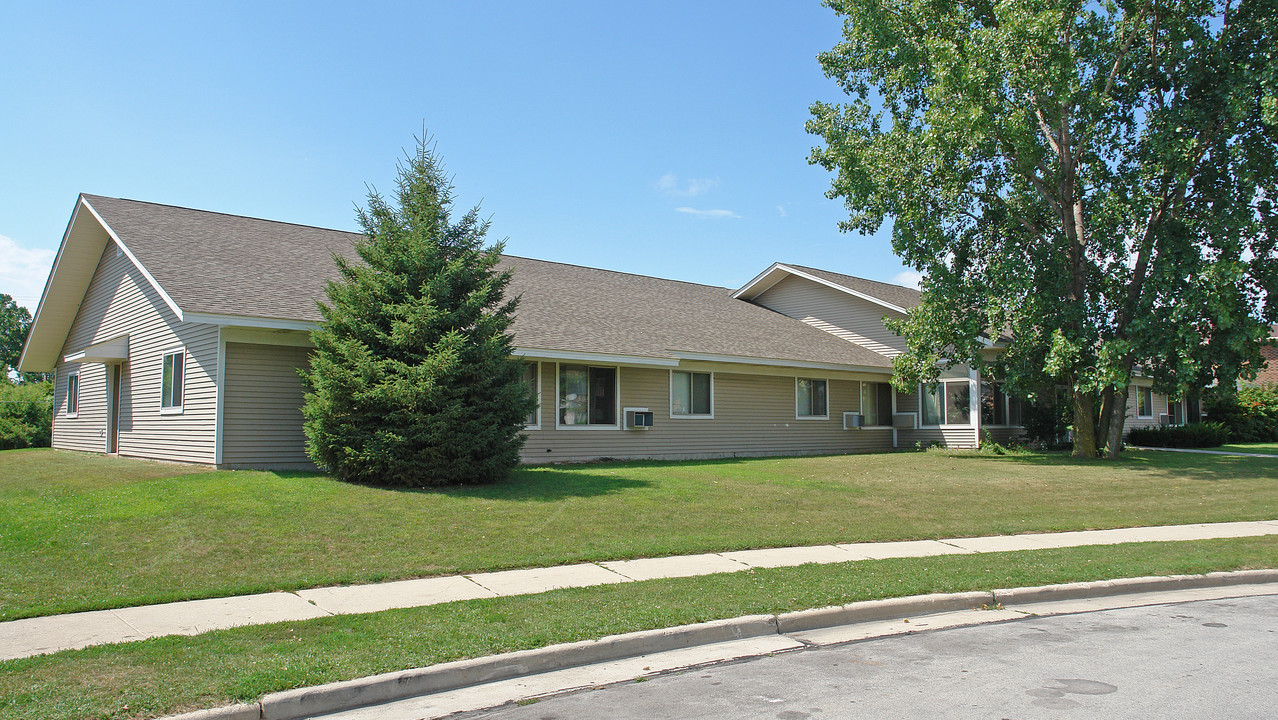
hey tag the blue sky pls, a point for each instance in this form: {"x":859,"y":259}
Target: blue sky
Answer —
{"x":663,"y":138}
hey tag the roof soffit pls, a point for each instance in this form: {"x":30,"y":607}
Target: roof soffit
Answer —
{"x":73,"y":269}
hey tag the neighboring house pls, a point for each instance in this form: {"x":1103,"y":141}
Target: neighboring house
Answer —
{"x":176,"y":334}
{"x":1268,"y":374}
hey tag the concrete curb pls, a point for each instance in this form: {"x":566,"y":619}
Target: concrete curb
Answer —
{"x":1128,"y":586}
{"x":304,"y":702}
{"x":888,"y":609}
{"x":347,"y":695}
{"x":251,"y":711}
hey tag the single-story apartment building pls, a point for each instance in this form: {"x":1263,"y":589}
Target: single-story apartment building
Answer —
{"x":176,"y":334}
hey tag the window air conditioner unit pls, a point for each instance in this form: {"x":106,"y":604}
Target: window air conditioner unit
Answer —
{"x":903,"y":420}
{"x":638,"y":418}
{"x":1164,"y":419}
{"x":853,"y":420}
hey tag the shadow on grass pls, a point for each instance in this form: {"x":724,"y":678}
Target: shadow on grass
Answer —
{"x":532,"y":484}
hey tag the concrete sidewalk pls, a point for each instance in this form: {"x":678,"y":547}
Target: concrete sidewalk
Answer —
{"x":34,"y":636}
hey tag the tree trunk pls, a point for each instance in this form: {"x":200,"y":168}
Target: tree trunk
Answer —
{"x":1107,"y":401}
{"x":1117,"y":418}
{"x":1084,"y":424}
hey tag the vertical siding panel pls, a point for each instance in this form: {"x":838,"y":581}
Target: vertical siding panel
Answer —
{"x":262,"y":410}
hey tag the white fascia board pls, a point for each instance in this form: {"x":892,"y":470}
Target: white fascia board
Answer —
{"x":803,"y":364}
{"x":759,"y":284}
{"x":250,"y":321}
{"x":48,"y":282}
{"x":590,"y":357}
{"x":133,"y":258}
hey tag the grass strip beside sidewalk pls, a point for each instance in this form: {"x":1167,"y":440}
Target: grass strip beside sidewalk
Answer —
{"x":166,"y":675}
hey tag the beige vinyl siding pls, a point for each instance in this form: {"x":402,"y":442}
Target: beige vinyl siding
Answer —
{"x":262,"y":408}
{"x":119,"y":301}
{"x":955,"y":437}
{"x":754,"y":415}
{"x":86,"y":431}
{"x":839,"y":313}
{"x":1159,"y":408}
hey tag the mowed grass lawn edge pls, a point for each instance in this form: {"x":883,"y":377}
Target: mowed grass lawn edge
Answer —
{"x":173,"y":674}
{"x":84,"y":532}
{"x":1262,"y":448}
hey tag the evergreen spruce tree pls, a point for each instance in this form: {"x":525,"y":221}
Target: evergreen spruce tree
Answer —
{"x":412,"y":382}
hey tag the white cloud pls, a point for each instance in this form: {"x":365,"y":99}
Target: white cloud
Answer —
{"x":707,"y":213}
{"x":670,"y":184}
{"x":908,"y":278}
{"x":781,"y":209}
{"x":23,"y":272}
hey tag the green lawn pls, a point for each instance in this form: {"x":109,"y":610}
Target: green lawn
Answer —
{"x":172,"y":674}
{"x":1266,"y":448}
{"x":82,"y":531}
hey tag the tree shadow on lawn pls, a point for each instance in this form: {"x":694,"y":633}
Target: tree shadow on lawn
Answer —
{"x":541,"y":484}
{"x":1211,"y":468}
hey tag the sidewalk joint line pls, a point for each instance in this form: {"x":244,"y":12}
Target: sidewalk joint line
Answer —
{"x":115,"y":612}
{"x":600,"y":564}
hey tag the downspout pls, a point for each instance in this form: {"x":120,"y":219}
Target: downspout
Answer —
{"x":975,"y":379}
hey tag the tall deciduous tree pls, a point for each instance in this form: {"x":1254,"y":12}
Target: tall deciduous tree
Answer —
{"x":15,"y":322}
{"x":412,"y":382}
{"x":1095,"y":180}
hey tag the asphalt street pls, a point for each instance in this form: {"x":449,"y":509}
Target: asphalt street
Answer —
{"x":1207,"y":659}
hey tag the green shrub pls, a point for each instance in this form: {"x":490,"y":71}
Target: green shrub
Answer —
{"x":26,"y":414}
{"x":1250,"y":413}
{"x":1196,"y":435}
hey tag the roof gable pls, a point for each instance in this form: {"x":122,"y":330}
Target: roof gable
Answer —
{"x":893,"y":297}
{"x":83,"y":243}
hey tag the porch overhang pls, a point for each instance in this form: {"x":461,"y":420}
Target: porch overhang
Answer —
{"x":115,"y":350}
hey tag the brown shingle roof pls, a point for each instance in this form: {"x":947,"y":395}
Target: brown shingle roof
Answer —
{"x":231,"y":265}
{"x":228,"y":264}
{"x":898,"y":295}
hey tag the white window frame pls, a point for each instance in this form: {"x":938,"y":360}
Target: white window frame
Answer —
{"x":164,"y":360}
{"x":73,"y":377}
{"x":945,"y":404}
{"x":537,"y":369}
{"x":616,"y":393}
{"x":861,"y":407}
{"x":691,"y":416}
{"x":1140,"y":393}
{"x":826,"y":416}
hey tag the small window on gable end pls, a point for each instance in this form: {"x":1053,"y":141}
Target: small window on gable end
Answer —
{"x":172,"y":382}
{"x":73,"y":395}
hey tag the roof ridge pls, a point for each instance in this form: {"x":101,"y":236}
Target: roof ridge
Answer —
{"x":617,"y":272}
{"x":349,"y":232}
{"x":223,"y":214}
